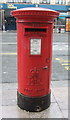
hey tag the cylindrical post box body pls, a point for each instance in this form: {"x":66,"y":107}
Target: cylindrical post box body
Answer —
{"x":34,"y":33}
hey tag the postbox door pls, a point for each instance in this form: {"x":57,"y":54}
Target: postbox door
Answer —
{"x":39,"y":69}
{"x":36,"y":64}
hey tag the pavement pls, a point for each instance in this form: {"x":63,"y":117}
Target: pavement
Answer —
{"x":59,"y":107}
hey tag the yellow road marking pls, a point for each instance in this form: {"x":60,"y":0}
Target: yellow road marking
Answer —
{"x":67,"y":67}
{"x":8,"y":53}
{"x":57,"y":59}
{"x":66,"y":64}
{"x":62,"y":60}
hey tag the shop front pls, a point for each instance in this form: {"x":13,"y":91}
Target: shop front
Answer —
{"x":9,"y":22}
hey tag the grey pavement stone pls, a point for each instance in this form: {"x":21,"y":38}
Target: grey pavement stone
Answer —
{"x":61,"y":37}
{"x":9,"y":48}
{"x":69,"y":97}
{"x":63,"y":105}
{"x":9,"y":69}
{"x":69,"y":114}
{"x":0,"y":48}
{"x":59,"y":73}
{"x":0,"y":101}
{"x":0,"y":68}
{"x":9,"y":94}
{"x":9,"y":86}
{"x":52,"y":98}
{"x":10,"y":109}
{"x":43,"y":114}
{"x":9,"y":36}
{"x":61,"y":96}
{"x":65,"y":113}
{"x":52,"y":112}
{"x":0,"y":95}
{"x":13,"y":101}
{"x":0,"y":112}
{"x":55,"y":112}
{"x":59,"y":83}
{"x":14,"y":112}
{"x":6,"y":101}
{"x":9,"y":102}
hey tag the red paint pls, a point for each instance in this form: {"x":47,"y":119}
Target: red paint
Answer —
{"x":33,"y":80}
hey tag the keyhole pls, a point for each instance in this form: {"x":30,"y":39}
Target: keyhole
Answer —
{"x":38,"y":108}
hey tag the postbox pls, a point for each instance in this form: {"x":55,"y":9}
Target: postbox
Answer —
{"x":34,"y":35}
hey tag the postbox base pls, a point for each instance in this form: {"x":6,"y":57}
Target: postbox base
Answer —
{"x":33,"y":104}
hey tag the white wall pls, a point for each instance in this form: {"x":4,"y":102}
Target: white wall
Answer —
{"x":33,"y":1}
{"x":67,"y":1}
{"x":52,"y":1}
{"x":3,"y":1}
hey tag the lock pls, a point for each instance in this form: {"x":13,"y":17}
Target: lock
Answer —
{"x":45,"y":67}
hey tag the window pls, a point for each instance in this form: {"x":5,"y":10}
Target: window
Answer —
{"x":64,"y":1}
{"x":60,"y":1}
{"x":19,"y":1}
{"x":56,"y":1}
{"x":10,"y":1}
{"x":28,"y":1}
{"x":45,"y":1}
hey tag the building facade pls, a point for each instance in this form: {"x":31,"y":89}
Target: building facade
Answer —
{"x":65,"y":2}
{"x":6,"y":6}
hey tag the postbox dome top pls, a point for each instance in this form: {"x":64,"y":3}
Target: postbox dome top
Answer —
{"x":35,"y":9}
{"x":35,"y":12}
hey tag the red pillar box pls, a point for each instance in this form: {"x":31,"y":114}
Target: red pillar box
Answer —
{"x":34,"y":33}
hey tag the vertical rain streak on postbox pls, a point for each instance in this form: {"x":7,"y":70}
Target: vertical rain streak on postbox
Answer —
{"x":34,"y":33}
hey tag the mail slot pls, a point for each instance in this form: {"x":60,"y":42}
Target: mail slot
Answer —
{"x":34,"y":35}
{"x":35,"y":30}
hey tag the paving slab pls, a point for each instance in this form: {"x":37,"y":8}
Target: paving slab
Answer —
{"x":9,"y":86}
{"x":9,"y":102}
{"x":63,"y":83}
{"x":53,"y":100}
{"x":11,"y":110}
{"x":60,"y":92}
{"x":9,"y":94}
{"x":59,"y":102}
{"x":0,"y":112}
{"x":69,"y":114}
{"x":61,"y":96}
{"x":65,"y":113}
{"x":9,"y":98}
{"x":52,"y":112}
{"x":14,"y":112}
